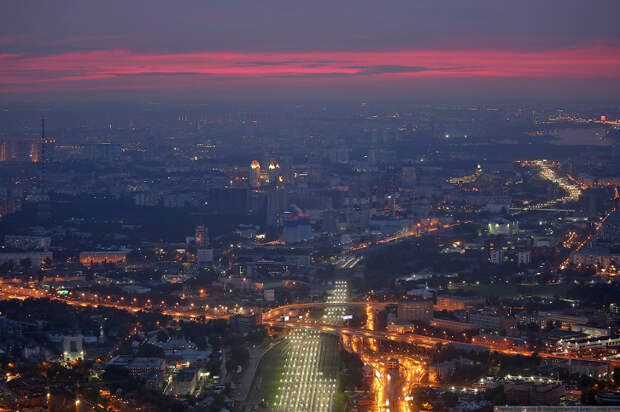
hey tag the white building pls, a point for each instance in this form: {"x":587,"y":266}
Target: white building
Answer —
{"x":497,"y":256}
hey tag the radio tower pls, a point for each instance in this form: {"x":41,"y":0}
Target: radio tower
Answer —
{"x":42,"y":156}
{"x":43,"y":206}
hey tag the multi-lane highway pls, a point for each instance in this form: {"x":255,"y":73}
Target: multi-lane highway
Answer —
{"x":306,"y":384}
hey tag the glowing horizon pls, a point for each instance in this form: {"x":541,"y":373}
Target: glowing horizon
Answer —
{"x":123,"y":69}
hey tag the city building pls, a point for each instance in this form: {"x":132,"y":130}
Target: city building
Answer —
{"x":502,"y":226}
{"x":533,"y":392}
{"x":600,"y":257}
{"x":254,"y":174}
{"x":451,"y":325}
{"x":490,"y":321}
{"x":103,"y":257}
{"x":496,"y":257}
{"x":204,"y":255}
{"x":589,"y":342}
{"x":415,"y":310}
{"x":439,"y":372}
{"x":453,"y":302}
{"x":139,"y":366}
{"x":524,"y":257}
{"x":72,"y":348}
{"x":296,"y":227}
{"x":23,"y":242}
{"x":36,"y":259}
{"x":202,"y":237}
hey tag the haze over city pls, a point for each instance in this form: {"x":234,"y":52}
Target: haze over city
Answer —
{"x":309,"y":206}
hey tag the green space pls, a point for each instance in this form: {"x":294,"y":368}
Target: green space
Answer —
{"x":516,"y":289}
{"x":270,"y":368}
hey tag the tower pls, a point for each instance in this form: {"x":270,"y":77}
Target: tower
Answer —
{"x":274,"y":172}
{"x":373,"y":210}
{"x":254,"y":174}
{"x":39,"y":155}
{"x":42,"y":140}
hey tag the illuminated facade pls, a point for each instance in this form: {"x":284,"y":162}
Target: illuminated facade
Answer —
{"x":104,"y":257}
{"x":254,"y":174}
{"x":452,"y":303}
{"x":72,"y":348}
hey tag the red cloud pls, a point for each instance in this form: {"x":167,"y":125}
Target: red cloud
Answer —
{"x":123,"y":69}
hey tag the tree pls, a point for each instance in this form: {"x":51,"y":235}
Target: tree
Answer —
{"x":240,"y":355}
{"x":450,"y":399}
{"x":200,"y":342}
{"x":149,"y":350}
{"x":162,"y":336}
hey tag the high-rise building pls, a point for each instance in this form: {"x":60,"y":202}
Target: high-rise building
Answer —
{"x":296,"y":227}
{"x":273,"y":173}
{"x":202,"y":237}
{"x":254,"y":174}
{"x":35,"y":151}
{"x":277,"y":202}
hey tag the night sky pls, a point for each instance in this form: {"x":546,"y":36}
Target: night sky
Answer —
{"x":439,"y":49}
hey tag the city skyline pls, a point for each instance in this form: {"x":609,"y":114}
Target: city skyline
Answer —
{"x":355,"y":206}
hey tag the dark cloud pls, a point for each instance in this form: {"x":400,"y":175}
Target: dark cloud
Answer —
{"x":266,"y":63}
{"x":161,"y":74}
{"x":394,"y":69}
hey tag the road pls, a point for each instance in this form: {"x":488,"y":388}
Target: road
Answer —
{"x":308,"y":382}
{"x":573,"y":191}
{"x":10,"y":291}
{"x":417,"y":339}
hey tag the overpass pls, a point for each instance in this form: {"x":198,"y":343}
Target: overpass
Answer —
{"x":423,"y":340}
{"x":285,"y":309}
{"x":361,"y":333}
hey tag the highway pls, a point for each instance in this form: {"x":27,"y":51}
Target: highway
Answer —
{"x":271,"y":317}
{"x":306,"y":384}
{"x":416,"y":339}
{"x":9,"y":291}
{"x":573,"y":191}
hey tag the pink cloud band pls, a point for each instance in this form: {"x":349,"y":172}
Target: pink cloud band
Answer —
{"x":123,"y":69}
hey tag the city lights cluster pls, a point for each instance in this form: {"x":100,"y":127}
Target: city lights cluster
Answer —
{"x":573,"y":192}
{"x":303,"y":385}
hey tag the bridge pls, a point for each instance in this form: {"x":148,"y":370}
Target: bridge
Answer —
{"x":294,"y":307}
{"x":423,"y":340}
